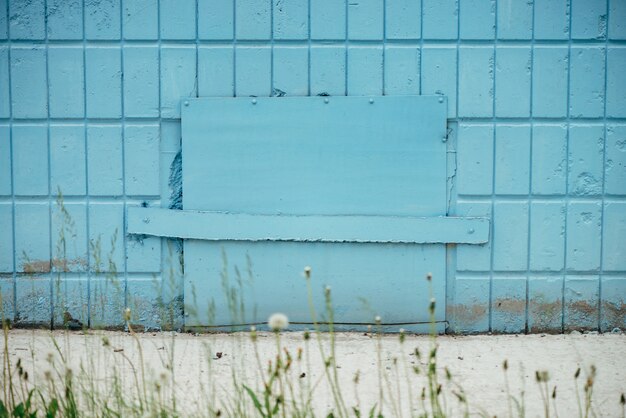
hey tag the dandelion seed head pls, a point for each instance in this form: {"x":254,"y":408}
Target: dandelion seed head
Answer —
{"x":278,"y":322}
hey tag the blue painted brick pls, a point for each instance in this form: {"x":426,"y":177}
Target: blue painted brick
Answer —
{"x":328,"y":69}
{"x":547,"y":236}
{"x":29,"y":83}
{"x":4,"y":25}
{"x":144,"y":255}
{"x":614,"y":252}
{"x":104,"y":162}
{"x":515,"y":19}
{"x":508,"y":304}
{"x":216,"y":19}
{"x":589,"y":19}
{"x":478,"y":19}
{"x":615,"y":165}
{"x":365,"y":20}
{"x":106,"y":237}
{"x":545,"y":304}
{"x":5,"y":160}
{"x":512,"y":159}
{"x":5,"y":101}
{"x":253,"y":71}
{"x":440,"y":19}
{"x":178,"y":78}
{"x":581,"y":303}
{"x":140,"y":19}
{"x":178,"y":19}
{"x":107,"y":300}
{"x":291,"y":71}
{"x":64,"y":19}
{"x":550,"y":81}
{"x":513,"y":70}
{"x":403,"y":19}
{"x":141,"y":82}
{"x":102,"y":19}
{"x":253,"y":19}
{"x":473,"y":257}
{"x":291,"y":19}
{"x":476,"y":72}
{"x":617,"y":21}
{"x":584,"y":222}
{"x":551,"y":19}
{"x":103,"y":82}
{"x":7,"y":296}
{"x":510,"y":236}
{"x":469,"y":311}
{"x":549,"y":159}
{"x":33,"y":301}
{"x":365,"y":71}
{"x":70,"y":296}
{"x":475,"y":160}
{"x":613,"y":300}
{"x":216,"y":71}
{"x":30,"y":160}
{"x":69,"y":224}
{"x":328,"y":19}
{"x":143,"y":294}
{"x":141,"y":160}
{"x":6,"y":238}
{"x":27,"y":19}
{"x":66,"y":87}
{"x":616,"y":87}
{"x":402,"y":70}
{"x":67,"y":160}
{"x":32,"y":237}
{"x":586,"y":155}
{"x":586,"y":93}
{"x":439,"y":75}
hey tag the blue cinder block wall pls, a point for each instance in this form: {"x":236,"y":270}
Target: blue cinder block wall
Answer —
{"x":90,"y":94}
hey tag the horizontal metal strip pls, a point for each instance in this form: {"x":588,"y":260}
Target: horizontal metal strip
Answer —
{"x":219,"y":226}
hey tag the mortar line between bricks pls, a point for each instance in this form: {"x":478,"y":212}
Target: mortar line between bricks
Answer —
{"x":530,"y":170}
{"x":124,"y":162}
{"x":567,"y":159}
{"x":86,"y":145}
{"x":11,"y":151}
{"x":493,"y":165}
{"x":602,"y":213}
{"x":409,"y":42}
{"x":49,"y":173}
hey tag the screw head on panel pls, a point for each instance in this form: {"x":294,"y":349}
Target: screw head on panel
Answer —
{"x":371,"y":101}
{"x":441,"y":100}
{"x":470,"y":231}
{"x":253,"y":101}
{"x":186,"y":103}
{"x":444,"y":139}
{"x":146,"y":220}
{"x":326,"y":101}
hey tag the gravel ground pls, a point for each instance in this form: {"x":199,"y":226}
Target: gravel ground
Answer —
{"x":204,"y":366}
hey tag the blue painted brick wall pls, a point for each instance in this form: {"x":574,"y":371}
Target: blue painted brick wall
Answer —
{"x":90,"y":95}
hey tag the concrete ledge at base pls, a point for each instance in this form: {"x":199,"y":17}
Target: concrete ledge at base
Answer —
{"x":220,"y":226}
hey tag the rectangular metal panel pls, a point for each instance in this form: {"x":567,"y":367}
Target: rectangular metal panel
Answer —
{"x":316,"y":155}
{"x":316,"y":167}
{"x":218,"y":226}
{"x":365,"y":280}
